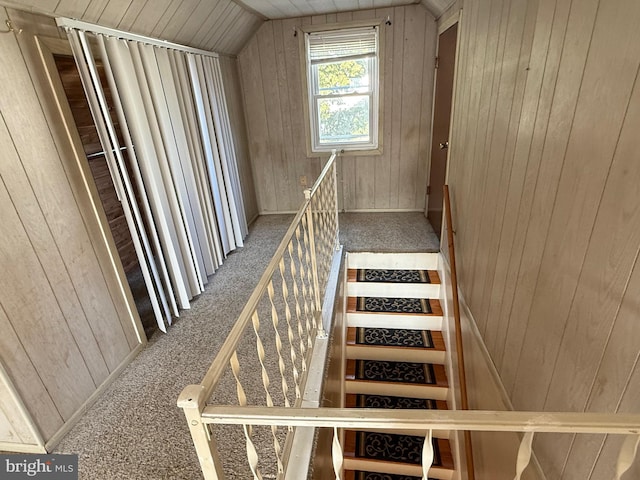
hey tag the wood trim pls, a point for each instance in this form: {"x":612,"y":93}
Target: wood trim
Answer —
{"x":84,"y":185}
{"x":473,"y":420}
{"x":23,"y":412}
{"x":450,"y":21}
{"x":70,"y":423}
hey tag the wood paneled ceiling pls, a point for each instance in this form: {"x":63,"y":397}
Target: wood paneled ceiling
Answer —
{"x":298,"y":8}
{"x":222,"y":26}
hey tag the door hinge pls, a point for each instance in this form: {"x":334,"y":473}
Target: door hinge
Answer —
{"x":437,"y":62}
{"x":428,"y":189}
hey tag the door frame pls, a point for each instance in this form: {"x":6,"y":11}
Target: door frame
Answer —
{"x":81,"y":178}
{"x":452,"y":19}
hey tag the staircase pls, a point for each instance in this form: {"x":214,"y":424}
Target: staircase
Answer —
{"x":396,"y":358}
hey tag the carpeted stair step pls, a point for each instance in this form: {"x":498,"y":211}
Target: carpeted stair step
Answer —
{"x":393,"y":344}
{"x":390,"y":402}
{"x":370,"y":282}
{"x":400,"y":379}
{"x":396,"y":454}
{"x":394,"y":312}
{"x":360,"y":475}
{"x":360,"y":400}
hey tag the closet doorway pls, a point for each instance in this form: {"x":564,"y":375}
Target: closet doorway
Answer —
{"x":445,"y":72}
{"x":97,"y":162}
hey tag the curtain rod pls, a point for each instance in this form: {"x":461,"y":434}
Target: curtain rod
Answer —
{"x":69,"y":23}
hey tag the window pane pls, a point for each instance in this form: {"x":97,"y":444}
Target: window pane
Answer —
{"x":343,"y":120}
{"x":351,"y":76}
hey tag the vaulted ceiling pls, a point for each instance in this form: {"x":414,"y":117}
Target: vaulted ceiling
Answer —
{"x":298,"y":8}
{"x":222,"y":26}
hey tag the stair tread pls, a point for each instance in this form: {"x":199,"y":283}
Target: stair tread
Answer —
{"x":383,"y":371}
{"x":396,"y":338}
{"x":395,"y":448}
{"x":382,"y":275}
{"x":361,"y":475}
{"x":394,"y":306}
{"x":361,"y":400}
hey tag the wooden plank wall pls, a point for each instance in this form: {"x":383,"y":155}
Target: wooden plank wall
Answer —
{"x":219,"y":25}
{"x":494,"y":453}
{"x":544,"y":175}
{"x":65,"y":324}
{"x":231,"y":80}
{"x":273,"y":99}
{"x":65,"y":321}
{"x":65,"y":327}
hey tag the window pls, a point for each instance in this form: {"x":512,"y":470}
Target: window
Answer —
{"x":342,"y":81}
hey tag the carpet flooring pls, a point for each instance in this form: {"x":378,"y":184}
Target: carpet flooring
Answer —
{"x":136,"y":431}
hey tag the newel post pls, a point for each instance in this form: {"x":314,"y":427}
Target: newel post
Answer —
{"x":314,"y":264}
{"x":192,"y":401}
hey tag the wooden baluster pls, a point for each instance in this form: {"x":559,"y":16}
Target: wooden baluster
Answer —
{"x":524,"y":454}
{"x":627,"y":455}
{"x":265,"y":383}
{"x":298,"y":309}
{"x":252,"y":453}
{"x":321,"y":234}
{"x":303,"y":278}
{"x":427,"y":455}
{"x":281,"y":365}
{"x":314,"y":265}
{"x":336,"y":454}
{"x":290,"y":335}
{"x":255,"y":318}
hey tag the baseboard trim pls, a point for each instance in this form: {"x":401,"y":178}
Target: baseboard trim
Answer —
{"x":382,"y":210}
{"x":284,"y":212}
{"x":253,"y":219}
{"x":21,"y":447}
{"x":71,"y":422}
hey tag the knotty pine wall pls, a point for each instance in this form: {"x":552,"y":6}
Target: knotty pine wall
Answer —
{"x":544,"y":174}
{"x":65,"y":323}
{"x":273,"y":99}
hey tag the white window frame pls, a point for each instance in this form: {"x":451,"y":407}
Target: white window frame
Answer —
{"x":310,"y":90}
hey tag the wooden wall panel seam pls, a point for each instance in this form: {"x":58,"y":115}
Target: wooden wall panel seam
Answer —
{"x":361,"y":178}
{"x":95,"y":256}
{"x":52,"y":414}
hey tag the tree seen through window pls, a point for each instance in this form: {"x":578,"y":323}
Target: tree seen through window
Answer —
{"x":345,"y":117}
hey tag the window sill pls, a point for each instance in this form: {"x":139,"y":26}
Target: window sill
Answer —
{"x":348,"y":153}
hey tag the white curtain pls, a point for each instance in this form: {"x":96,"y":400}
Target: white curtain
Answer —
{"x":178,"y":180}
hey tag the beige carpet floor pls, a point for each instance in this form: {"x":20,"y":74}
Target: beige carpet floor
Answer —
{"x":135,"y":430}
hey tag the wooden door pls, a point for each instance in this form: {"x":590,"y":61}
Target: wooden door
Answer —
{"x":441,"y":119}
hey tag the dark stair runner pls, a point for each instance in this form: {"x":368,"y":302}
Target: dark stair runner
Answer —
{"x":390,"y":447}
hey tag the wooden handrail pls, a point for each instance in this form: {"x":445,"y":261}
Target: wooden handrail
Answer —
{"x":464,"y":401}
{"x":420,"y":420}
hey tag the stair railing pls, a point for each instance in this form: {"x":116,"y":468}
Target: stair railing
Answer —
{"x":464,"y":400}
{"x":283,"y":319}
{"x":419,"y":421}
